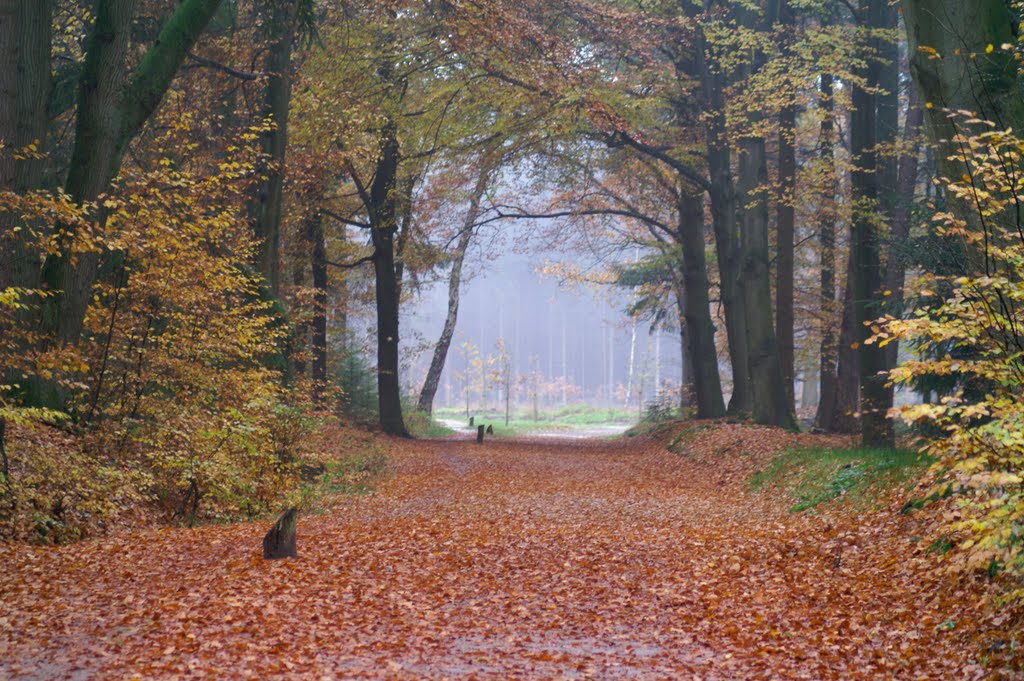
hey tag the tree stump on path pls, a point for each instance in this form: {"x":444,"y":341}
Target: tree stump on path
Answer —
{"x":490,"y":430}
{"x":479,"y":434}
{"x":471,"y":420}
{"x":280,"y":540}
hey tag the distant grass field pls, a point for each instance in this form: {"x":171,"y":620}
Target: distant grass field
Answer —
{"x":521,"y":422}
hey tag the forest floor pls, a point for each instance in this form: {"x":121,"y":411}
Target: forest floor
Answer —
{"x":531,"y":559}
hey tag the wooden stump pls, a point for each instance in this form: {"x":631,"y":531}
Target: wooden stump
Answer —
{"x":479,"y":434}
{"x":471,"y":420}
{"x":280,"y":540}
{"x":490,"y":430}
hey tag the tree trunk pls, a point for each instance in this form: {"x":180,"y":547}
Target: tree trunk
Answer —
{"x":876,"y":428}
{"x":786,"y":229}
{"x":279,"y":30}
{"x":318,"y":344}
{"x":967,"y":77}
{"x":896,"y":267}
{"x":724,"y":220}
{"x":771,"y":405}
{"x":437,"y":362}
{"x":828,"y":353}
{"x":383,"y":212}
{"x":112,"y":108}
{"x":700,"y":330}
{"x":26,"y":28}
{"x":844,"y":417}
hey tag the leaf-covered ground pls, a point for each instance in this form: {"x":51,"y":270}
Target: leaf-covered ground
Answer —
{"x":543,"y":559}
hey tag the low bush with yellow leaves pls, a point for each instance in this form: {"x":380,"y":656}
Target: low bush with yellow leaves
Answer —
{"x":969,"y":331}
{"x":174,"y":396}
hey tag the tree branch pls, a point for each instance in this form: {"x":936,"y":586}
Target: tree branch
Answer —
{"x":204,"y":61}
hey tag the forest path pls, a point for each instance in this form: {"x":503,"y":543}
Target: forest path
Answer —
{"x":514,"y":559}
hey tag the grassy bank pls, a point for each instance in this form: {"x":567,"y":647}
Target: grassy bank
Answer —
{"x":858,"y":476}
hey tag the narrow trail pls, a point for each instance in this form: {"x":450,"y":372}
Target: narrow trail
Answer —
{"x":515,"y":559}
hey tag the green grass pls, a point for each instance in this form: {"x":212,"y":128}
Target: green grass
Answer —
{"x":420,"y":425}
{"x":355,"y":475}
{"x":816,"y":476}
{"x":573,"y":415}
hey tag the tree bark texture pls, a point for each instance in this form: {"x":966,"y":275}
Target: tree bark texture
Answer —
{"x":786,"y":230}
{"x":724,"y":206}
{"x":383,"y":217}
{"x":967,"y":77}
{"x":279,"y":29}
{"x":700,"y":330}
{"x":900,"y":218}
{"x":828,"y":352}
{"x":867,"y":173}
{"x":26,"y":28}
{"x":113,"y":105}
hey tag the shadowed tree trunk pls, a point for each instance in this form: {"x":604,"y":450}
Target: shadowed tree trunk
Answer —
{"x":437,"y":361}
{"x":384,"y":219}
{"x":113,"y":105}
{"x":696,"y":310}
{"x":279,"y":28}
{"x":786,"y":229}
{"x":770,"y":402}
{"x":318,"y":337}
{"x":26,"y":28}
{"x":724,"y":206}
{"x":967,"y":77}
{"x":896,"y":267}
{"x":865,"y":246}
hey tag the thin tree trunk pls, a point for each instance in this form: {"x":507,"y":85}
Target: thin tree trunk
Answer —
{"x":828,"y":353}
{"x":318,"y":341}
{"x":696,"y":310}
{"x":437,"y":362}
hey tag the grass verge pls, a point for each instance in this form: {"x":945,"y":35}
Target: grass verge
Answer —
{"x":422,"y":425}
{"x":859,"y":476}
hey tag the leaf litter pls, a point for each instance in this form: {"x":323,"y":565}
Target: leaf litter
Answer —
{"x":517,"y":559}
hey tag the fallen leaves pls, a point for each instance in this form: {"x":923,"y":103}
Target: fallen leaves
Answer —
{"x":512,"y":560}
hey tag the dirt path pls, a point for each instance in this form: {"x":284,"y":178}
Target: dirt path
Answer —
{"x":531,"y":560}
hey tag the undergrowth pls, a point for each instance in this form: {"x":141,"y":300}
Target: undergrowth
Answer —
{"x":860,"y":476}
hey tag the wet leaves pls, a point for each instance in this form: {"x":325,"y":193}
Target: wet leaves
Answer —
{"x":513,"y":560}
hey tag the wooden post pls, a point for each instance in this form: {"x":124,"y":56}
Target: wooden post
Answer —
{"x":479,"y":434}
{"x":490,"y":430}
{"x":280,"y":540}
{"x":471,"y":420}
